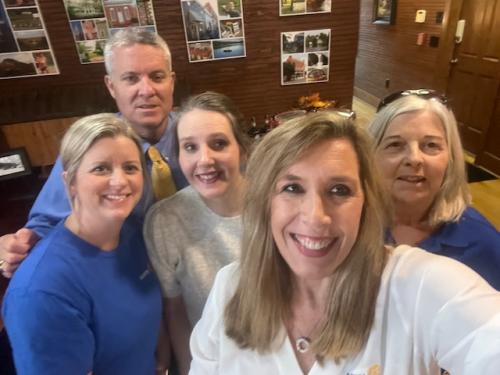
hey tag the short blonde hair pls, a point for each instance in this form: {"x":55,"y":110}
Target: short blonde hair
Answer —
{"x":454,"y":197}
{"x":254,"y":315}
{"x":85,"y":132}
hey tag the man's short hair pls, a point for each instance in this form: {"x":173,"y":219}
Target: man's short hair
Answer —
{"x":134,"y":35}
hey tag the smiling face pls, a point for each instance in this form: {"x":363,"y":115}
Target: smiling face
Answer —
{"x":413,"y":156}
{"x":316,"y":209}
{"x":108,"y":183}
{"x":142,"y":86}
{"x":209,"y":156}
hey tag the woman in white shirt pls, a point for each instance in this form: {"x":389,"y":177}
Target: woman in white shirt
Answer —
{"x":317,"y":292}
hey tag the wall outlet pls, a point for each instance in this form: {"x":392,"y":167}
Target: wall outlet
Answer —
{"x":387,"y":83}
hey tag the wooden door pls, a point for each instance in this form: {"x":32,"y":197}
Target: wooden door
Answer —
{"x":473,"y":85}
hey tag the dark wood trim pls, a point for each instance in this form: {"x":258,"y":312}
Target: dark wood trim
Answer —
{"x":447,"y":46}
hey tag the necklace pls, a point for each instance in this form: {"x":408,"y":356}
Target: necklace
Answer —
{"x":302,"y":344}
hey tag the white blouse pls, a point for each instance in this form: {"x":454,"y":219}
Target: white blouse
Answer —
{"x":432,"y":312}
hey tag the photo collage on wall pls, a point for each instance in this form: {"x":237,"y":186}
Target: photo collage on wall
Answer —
{"x":93,"y":21}
{"x":214,"y":29}
{"x":305,"y":56}
{"x":25,"y":48}
{"x":299,"y":7}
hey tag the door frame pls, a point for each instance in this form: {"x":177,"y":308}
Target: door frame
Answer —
{"x":447,"y":45}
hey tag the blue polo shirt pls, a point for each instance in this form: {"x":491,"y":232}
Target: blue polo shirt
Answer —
{"x":471,"y":240}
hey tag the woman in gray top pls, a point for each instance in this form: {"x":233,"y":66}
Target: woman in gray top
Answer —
{"x":191,"y":235}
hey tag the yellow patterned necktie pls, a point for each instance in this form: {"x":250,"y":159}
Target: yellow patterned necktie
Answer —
{"x":161,"y":175}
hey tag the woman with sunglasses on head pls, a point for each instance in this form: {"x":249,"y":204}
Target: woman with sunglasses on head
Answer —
{"x":191,"y":235}
{"x":85,"y":300}
{"x":316,"y":291}
{"x":419,"y":152}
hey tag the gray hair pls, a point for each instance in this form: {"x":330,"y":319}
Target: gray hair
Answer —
{"x":134,"y":35}
{"x":453,"y":198}
{"x":85,"y":132}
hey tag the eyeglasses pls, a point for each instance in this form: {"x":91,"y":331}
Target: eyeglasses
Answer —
{"x":423,"y":93}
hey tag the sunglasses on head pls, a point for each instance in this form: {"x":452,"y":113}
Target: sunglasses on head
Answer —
{"x":423,"y":93}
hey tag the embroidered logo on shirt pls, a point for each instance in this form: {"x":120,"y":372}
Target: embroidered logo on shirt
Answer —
{"x":372,"y":370}
{"x":144,"y":274}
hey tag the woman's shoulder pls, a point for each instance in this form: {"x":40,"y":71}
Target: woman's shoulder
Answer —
{"x":474,"y":222}
{"x":412,"y":266}
{"x":181,"y":203}
{"x":471,"y":230}
{"x":51,"y":265}
{"x":226,"y":281}
{"x":185,"y":195}
{"x":228,"y":274}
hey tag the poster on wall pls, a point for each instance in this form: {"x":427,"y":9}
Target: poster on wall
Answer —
{"x":25,"y":48}
{"x":214,"y":29}
{"x":300,"y":7}
{"x":93,"y":21}
{"x":305,"y":56}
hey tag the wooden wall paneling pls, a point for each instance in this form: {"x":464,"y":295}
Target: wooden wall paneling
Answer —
{"x":253,"y":82}
{"x":40,"y":138}
{"x":390,"y":51}
{"x":489,"y":158}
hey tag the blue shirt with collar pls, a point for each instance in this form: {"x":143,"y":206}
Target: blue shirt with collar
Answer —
{"x":52,"y":203}
{"x":471,"y":240}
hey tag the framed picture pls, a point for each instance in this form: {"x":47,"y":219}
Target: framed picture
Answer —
{"x":384,"y":12}
{"x":300,"y":7}
{"x":14,"y":163}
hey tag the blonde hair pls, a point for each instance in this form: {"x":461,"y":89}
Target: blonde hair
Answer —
{"x":254,"y":315}
{"x":453,"y":197}
{"x":85,"y":132}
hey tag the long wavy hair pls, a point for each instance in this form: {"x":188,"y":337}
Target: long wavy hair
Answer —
{"x":255,"y":314}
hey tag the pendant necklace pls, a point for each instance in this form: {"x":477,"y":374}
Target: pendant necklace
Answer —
{"x":303,"y":343}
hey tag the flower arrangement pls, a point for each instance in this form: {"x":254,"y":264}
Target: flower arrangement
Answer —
{"x":313,"y":102}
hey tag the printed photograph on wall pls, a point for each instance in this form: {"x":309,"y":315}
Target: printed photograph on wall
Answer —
{"x":305,"y":56}
{"x":300,"y":7}
{"x":214,"y":29}
{"x":25,"y":48}
{"x":384,"y":12}
{"x":93,"y":21}
{"x":19,"y":3}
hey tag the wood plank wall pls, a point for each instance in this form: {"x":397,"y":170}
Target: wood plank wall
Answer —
{"x":390,"y":51}
{"x":253,"y":82}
